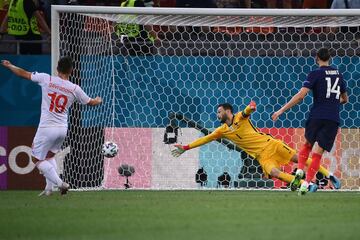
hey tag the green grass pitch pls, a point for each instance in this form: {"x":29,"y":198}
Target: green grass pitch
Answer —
{"x":180,"y":215}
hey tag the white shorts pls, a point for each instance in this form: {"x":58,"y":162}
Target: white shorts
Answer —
{"x":48,"y":139}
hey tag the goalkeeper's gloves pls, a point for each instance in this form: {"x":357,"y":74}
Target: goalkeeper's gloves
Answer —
{"x":252,"y":106}
{"x":249,"y":109}
{"x":179,"y":149}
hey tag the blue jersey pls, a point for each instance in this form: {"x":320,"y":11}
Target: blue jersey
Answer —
{"x":326,"y":84}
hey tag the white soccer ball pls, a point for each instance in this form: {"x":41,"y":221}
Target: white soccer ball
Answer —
{"x":109,"y":149}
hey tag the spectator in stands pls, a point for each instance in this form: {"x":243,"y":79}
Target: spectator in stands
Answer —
{"x":188,"y":30}
{"x":284,"y":4}
{"x":98,"y":3}
{"x":246,"y":3}
{"x":46,"y":6}
{"x":322,"y":4}
{"x":167,"y":3}
{"x":228,"y":4}
{"x":260,"y":4}
{"x":345,"y":4}
{"x":22,"y":22}
{"x":4,"y":4}
{"x":195,"y":3}
{"x":134,"y":30}
{"x":317,"y":4}
{"x":137,"y":39}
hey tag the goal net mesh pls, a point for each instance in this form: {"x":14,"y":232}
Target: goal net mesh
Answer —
{"x":162,"y":74}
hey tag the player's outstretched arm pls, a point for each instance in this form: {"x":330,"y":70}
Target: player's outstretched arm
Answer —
{"x":95,"y":101}
{"x":294,"y":100}
{"x":180,"y":149}
{"x":16,"y":70}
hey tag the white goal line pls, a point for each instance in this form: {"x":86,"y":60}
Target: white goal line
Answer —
{"x":209,"y":189}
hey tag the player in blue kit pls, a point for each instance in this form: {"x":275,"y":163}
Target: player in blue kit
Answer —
{"x":329,"y":91}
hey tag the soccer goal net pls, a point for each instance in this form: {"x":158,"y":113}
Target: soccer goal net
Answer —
{"x":162,"y":73}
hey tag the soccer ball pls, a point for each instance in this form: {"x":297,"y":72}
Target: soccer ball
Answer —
{"x":109,"y":149}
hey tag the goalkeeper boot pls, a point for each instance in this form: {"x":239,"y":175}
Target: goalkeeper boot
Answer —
{"x":303,"y":188}
{"x":335,"y":182}
{"x":64,"y":188}
{"x":312,"y":187}
{"x":296,"y":182}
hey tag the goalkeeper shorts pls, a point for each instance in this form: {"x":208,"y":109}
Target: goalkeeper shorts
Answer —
{"x":277,"y":153}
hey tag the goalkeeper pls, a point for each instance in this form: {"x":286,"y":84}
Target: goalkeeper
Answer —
{"x":270,"y":152}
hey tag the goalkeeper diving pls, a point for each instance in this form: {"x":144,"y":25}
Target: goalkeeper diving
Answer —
{"x":271,"y":153}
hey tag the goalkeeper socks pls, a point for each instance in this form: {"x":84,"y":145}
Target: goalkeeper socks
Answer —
{"x":286,"y":177}
{"x":304,"y":155}
{"x":49,"y":172}
{"x":322,"y":169}
{"x":314,"y":166}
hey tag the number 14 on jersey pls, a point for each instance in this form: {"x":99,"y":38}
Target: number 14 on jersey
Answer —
{"x":335,"y":88}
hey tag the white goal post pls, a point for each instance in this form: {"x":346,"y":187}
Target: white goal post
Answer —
{"x":166,"y":69}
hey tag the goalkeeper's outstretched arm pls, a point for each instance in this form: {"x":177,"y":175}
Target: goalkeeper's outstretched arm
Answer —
{"x":180,"y":149}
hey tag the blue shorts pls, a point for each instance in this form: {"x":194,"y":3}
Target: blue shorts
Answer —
{"x":322,"y":131}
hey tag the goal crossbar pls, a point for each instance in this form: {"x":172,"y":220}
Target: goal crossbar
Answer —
{"x":208,"y":11}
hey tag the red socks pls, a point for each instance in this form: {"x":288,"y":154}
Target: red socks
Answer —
{"x":304,"y":155}
{"x":314,"y":166}
{"x":315,"y":161}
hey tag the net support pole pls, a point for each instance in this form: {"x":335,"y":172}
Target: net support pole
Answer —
{"x":55,"y":46}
